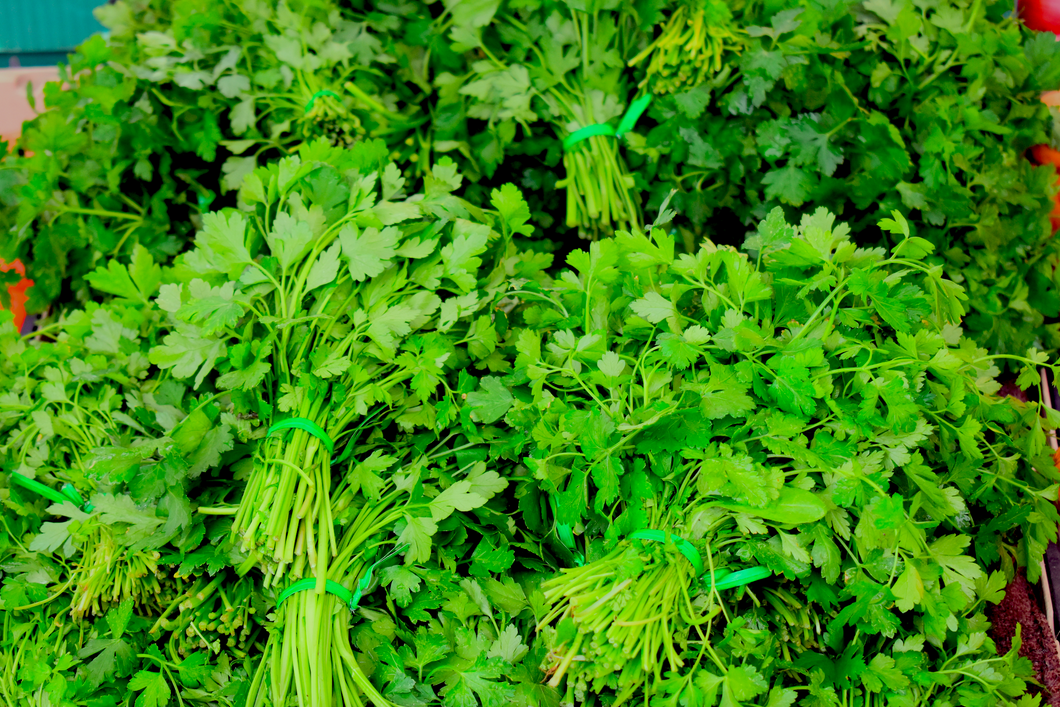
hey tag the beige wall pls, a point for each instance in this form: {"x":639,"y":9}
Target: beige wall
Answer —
{"x":14,"y":108}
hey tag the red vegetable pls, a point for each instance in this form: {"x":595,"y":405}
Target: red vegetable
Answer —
{"x":18,"y":292}
{"x":1043,"y":154}
{"x":1040,"y":15}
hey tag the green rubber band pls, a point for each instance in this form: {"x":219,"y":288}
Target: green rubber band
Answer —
{"x":587,"y":132}
{"x":351,"y":599}
{"x":629,"y":120}
{"x":318,"y":94}
{"x":566,"y":536}
{"x":70,"y":492}
{"x":68,"y":495}
{"x":330,"y":586}
{"x":38,"y":488}
{"x":300,"y":423}
{"x":728,"y":580}
{"x":686,"y":548}
{"x":723,"y":579}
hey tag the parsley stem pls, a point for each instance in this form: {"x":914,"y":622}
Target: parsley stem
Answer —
{"x":218,"y":511}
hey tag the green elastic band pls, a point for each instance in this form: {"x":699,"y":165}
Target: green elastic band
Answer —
{"x":632,"y":115}
{"x":318,"y":94}
{"x":723,"y":579}
{"x":350,"y":599}
{"x":686,"y":548}
{"x":636,"y":109}
{"x":566,"y":536}
{"x":69,"y":494}
{"x":587,"y":132}
{"x":331,"y":587}
{"x":300,"y":423}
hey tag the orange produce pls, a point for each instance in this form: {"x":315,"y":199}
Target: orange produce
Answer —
{"x":17,"y":292}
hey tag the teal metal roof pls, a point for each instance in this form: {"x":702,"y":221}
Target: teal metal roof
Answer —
{"x":31,"y":26}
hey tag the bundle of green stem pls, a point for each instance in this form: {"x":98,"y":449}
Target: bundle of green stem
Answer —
{"x":598,"y":183}
{"x":286,"y":515}
{"x":336,"y":314}
{"x":600,"y":188}
{"x":108,"y":573}
{"x":212,"y":613}
{"x":309,"y":655}
{"x":308,"y":659}
{"x":623,"y":618}
{"x":690,"y":48}
{"x":796,"y":624}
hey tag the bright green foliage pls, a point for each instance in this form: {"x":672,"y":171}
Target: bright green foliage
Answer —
{"x":161,"y":122}
{"x":811,"y":407}
{"x":928,"y":108}
{"x":338,"y":318}
{"x":254,"y":212}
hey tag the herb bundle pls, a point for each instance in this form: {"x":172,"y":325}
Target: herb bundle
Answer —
{"x":813,"y":366}
{"x":563,"y":63}
{"x":691,"y":47}
{"x":166,"y":117}
{"x":868,"y":108}
{"x":347,"y":436}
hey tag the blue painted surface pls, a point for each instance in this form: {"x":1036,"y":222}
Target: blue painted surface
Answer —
{"x":30,"y":27}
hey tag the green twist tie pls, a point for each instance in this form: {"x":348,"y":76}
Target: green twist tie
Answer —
{"x":723,"y":579}
{"x":633,"y":113}
{"x":300,"y":423}
{"x":318,"y":94}
{"x":350,"y":599}
{"x":566,"y":536}
{"x":204,"y":201}
{"x":686,"y":548}
{"x":68,"y":495}
{"x":330,"y":586}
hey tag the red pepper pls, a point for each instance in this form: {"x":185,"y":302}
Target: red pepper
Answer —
{"x":18,"y":292}
{"x":1043,"y":154}
{"x":1040,"y":15}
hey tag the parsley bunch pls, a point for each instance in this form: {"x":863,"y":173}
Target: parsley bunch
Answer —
{"x":868,"y":108}
{"x":563,"y":63}
{"x":691,"y":47}
{"x":163,"y":119}
{"x":309,"y":312}
{"x":209,"y":613}
{"x":83,"y":414}
{"x":812,"y":366}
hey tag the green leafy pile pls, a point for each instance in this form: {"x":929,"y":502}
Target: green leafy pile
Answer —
{"x":165,"y":117}
{"x":811,"y":366}
{"x":83,"y":411}
{"x":864,"y":108}
{"x":323,"y":306}
{"x":563,"y":63}
{"x":316,"y":421}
